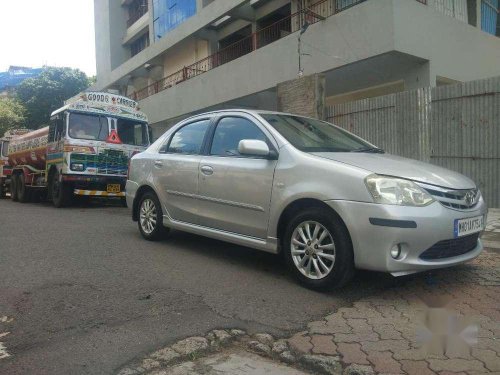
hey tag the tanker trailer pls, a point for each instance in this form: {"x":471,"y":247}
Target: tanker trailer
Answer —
{"x":84,"y":151}
{"x":5,"y":167}
{"x":27,"y":158}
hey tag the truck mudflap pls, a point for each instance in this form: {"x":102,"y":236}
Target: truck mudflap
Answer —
{"x":97,"y":193}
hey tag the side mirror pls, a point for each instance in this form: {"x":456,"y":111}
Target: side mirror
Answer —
{"x":254,"y":147}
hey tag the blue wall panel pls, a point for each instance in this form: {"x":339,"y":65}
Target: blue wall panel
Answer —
{"x":489,"y":15}
{"x":168,"y":14}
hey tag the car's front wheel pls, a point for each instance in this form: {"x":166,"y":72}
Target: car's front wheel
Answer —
{"x":151,"y":218}
{"x":318,"y":249}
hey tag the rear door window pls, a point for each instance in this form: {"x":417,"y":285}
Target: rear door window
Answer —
{"x":188,"y":140}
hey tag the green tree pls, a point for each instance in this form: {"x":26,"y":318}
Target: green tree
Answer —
{"x":47,"y":92}
{"x":12,"y":114}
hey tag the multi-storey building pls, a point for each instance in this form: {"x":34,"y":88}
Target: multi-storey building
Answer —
{"x":179,"y":57}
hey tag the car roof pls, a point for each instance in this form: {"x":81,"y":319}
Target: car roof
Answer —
{"x":243,"y":110}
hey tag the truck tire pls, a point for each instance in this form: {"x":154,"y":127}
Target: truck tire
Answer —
{"x":13,"y":187}
{"x":61,"y":193}
{"x":23,"y":192}
{"x":2,"y":188}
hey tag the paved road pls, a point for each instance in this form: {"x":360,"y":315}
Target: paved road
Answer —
{"x":87,"y":294}
{"x":82,"y":293}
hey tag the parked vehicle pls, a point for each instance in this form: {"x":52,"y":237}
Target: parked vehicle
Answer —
{"x":84,"y":151}
{"x":5,"y":168}
{"x":328,"y":200}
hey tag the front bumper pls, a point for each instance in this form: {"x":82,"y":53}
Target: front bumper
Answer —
{"x":372,"y":243}
{"x":88,"y":185}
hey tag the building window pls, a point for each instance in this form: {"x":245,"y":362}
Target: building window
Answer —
{"x":453,"y":8}
{"x":168,"y":14}
{"x":489,"y":16}
{"x":136,"y":10}
{"x":139,"y":44}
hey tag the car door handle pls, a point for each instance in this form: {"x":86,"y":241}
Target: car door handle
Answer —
{"x":207,"y":170}
{"x":158,"y":163}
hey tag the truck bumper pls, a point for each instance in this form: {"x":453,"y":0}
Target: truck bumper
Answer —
{"x":96,"y":186}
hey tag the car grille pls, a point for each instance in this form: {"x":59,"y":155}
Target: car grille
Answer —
{"x":456,"y":199}
{"x":451,"y":248}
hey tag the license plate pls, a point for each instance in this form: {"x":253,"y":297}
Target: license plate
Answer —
{"x":113,"y":188}
{"x":470,"y":225}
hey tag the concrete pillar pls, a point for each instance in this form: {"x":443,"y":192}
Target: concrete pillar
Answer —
{"x":151,"y":23}
{"x":478,"y":12}
{"x":303,"y":96}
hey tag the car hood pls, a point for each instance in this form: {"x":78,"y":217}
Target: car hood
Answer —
{"x":392,"y":165}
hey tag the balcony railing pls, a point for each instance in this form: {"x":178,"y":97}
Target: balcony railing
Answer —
{"x":137,"y":13}
{"x":293,"y":23}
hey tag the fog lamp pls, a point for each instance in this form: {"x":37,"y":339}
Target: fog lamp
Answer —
{"x":396,"y":251}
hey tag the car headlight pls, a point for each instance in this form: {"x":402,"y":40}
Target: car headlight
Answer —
{"x":390,"y":190}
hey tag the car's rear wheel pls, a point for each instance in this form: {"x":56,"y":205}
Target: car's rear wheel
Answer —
{"x":151,"y":218}
{"x":318,"y":249}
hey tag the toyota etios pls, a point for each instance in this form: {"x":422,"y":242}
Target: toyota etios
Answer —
{"x":325,"y":198}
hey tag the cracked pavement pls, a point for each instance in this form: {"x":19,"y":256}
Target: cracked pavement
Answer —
{"x":84,"y":294}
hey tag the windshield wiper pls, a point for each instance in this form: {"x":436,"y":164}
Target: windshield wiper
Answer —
{"x":374,"y":150}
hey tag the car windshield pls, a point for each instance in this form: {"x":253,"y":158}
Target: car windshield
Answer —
{"x":86,"y":126}
{"x":311,"y":135}
{"x":5,"y":148}
{"x":132,"y":132}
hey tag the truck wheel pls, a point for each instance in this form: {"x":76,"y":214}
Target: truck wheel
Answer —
{"x":13,"y":187}
{"x":318,"y":249}
{"x":61,"y":192}
{"x":23,"y":192}
{"x":2,"y":188}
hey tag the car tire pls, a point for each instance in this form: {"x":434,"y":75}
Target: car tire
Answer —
{"x":60,"y":192}
{"x":13,"y":187}
{"x":23,"y":191}
{"x":326,"y":260}
{"x":150,"y":218}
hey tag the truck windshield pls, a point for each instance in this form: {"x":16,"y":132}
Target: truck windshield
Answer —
{"x":5,"y":148}
{"x":86,"y":126}
{"x":132,"y":132}
{"x":310,"y":135}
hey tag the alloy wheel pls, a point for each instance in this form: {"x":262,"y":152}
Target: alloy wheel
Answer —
{"x":313,"y":250}
{"x":148,"y":216}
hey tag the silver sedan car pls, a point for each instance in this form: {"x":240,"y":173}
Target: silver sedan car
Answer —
{"x":329,"y":201}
